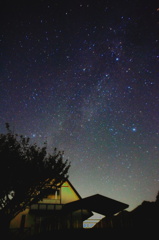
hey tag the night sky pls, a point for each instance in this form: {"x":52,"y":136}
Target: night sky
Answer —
{"x":84,"y":75}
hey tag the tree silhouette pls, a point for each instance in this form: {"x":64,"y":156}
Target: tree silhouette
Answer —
{"x":157,"y":198}
{"x":26,"y":173}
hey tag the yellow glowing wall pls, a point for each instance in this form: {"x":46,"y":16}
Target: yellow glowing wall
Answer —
{"x":66,"y":194}
{"x":16,"y":222}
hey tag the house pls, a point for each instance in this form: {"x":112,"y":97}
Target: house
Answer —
{"x":144,"y":218}
{"x":63,"y":208}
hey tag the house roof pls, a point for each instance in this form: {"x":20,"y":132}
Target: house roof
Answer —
{"x":97,"y":203}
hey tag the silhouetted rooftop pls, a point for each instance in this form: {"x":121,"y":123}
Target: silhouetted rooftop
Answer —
{"x":97,"y":203}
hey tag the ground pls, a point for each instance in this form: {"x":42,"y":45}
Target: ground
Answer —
{"x":90,"y":233}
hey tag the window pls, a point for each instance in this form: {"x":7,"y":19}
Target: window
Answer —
{"x":50,"y":207}
{"x":58,"y":207}
{"x":34,"y":207}
{"x":54,"y":194}
{"x":42,"y":206}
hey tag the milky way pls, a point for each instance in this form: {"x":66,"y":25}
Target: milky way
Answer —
{"x":84,"y":76}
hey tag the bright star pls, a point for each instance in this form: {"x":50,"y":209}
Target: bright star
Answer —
{"x":134,"y":129}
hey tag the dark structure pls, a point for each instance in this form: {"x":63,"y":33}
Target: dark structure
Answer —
{"x":144,"y":218}
{"x":64,"y":208}
{"x":97,"y":203}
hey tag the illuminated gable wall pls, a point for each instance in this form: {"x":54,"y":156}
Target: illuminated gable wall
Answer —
{"x":66,"y":194}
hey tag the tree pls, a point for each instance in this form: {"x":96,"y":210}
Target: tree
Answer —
{"x":157,"y":198}
{"x":26,"y":173}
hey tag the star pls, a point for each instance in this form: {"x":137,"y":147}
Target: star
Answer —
{"x":84,"y":78}
{"x":33,"y":135}
{"x":134,"y":129}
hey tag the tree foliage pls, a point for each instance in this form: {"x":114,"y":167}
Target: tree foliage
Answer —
{"x":157,"y":198}
{"x":26,"y":173}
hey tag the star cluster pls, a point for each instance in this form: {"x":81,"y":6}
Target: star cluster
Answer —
{"x":84,"y":76}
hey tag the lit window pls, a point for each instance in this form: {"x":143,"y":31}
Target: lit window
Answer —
{"x":34,"y":206}
{"x":50,"y":207}
{"x":42,"y":206}
{"x":58,"y":207}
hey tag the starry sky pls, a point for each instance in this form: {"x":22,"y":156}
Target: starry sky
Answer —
{"x":83,"y":75}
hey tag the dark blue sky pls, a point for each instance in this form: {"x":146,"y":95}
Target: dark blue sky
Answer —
{"x":84,"y":75}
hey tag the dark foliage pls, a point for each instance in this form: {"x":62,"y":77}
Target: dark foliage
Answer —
{"x":157,"y":198}
{"x":26,"y":173}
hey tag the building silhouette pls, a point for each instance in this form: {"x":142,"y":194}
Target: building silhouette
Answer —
{"x":63,"y":208}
